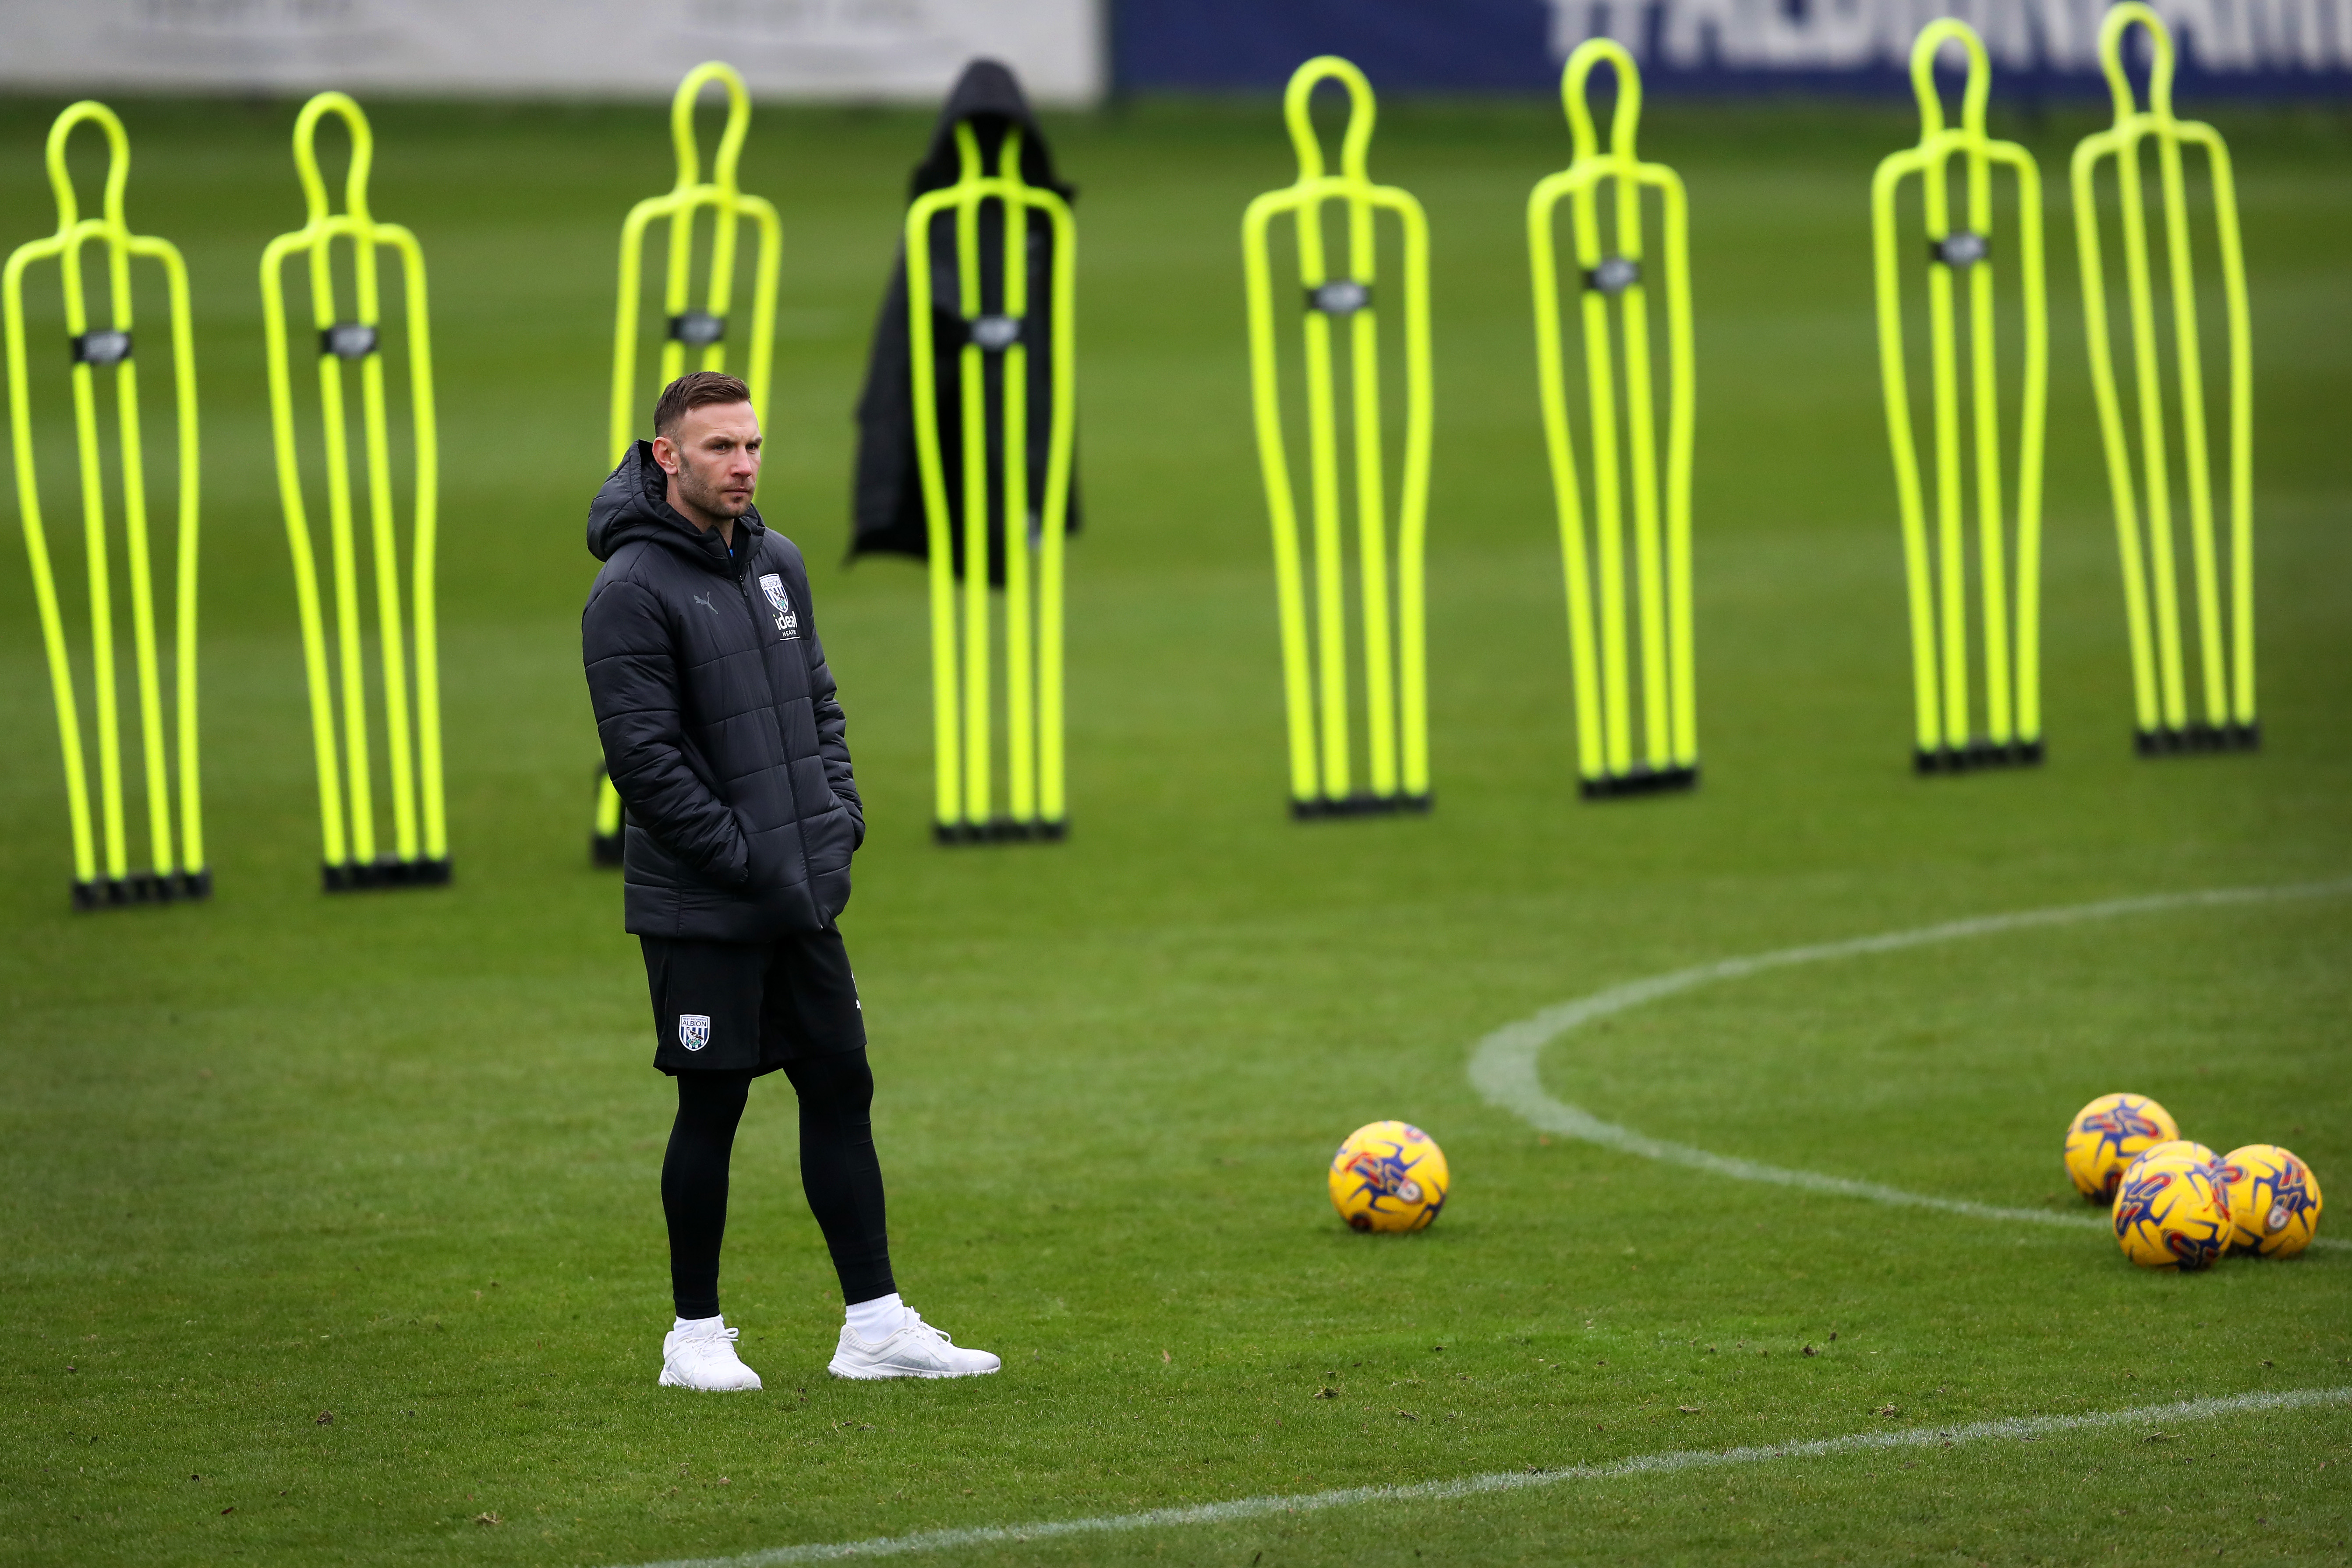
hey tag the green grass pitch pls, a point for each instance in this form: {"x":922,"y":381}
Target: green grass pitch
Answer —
{"x":393,"y":1157}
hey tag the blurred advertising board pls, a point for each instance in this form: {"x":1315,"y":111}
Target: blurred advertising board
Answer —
{"x":2235,"y":46}
{"x":819,"y":50}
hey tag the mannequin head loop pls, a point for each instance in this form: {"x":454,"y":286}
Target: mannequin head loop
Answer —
{"x":1973,"y":95}
{"x":118,"y":162}
{"x":306,"y":156}
{"x":2112,"y":29}
{"x":1575,"y":85}
{"x":730,"y":140}
{"x":1354,"y":147}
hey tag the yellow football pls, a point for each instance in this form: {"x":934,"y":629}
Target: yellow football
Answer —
{"x":2169,"y":1213}
{"x":2108,"y":1134}
{"x":2190,"y":1148}
{"x":2274,"y":1200}
{"x":1389,"y":1176}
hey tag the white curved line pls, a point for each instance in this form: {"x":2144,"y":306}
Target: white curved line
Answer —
{"x":1502,"y":1066}
{"x":2025,"y":1429}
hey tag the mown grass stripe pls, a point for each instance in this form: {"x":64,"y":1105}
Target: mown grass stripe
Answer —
{"x":1667,"y":1462}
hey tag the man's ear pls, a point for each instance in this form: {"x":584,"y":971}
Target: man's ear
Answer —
{"x":665,"y":454}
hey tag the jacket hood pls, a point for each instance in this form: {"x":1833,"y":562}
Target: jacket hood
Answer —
{"x":632,"y":505}
{"x":990,"y":96}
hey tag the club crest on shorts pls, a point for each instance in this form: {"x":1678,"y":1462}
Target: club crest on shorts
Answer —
{"x":693,"y":1030}
{"x":787,"y":621}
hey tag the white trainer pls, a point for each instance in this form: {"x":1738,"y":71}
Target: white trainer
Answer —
{"x":916,"y":1350}
{"x":703,"y":1356}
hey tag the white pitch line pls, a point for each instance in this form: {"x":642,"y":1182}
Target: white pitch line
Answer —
{"x":1504,"y":1066}
{"x":1671,"y":1461}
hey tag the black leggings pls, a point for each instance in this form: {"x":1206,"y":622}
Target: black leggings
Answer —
{"x":839,"y":1172}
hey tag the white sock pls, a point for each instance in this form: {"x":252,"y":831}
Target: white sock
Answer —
{"x":877,"y":1320}
{"x":683,"y":1324}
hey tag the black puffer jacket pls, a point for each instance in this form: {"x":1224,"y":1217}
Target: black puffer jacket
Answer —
{"x":718,"y":719}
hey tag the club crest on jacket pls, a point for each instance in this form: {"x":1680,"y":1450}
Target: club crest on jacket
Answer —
{"x":787,"y":622}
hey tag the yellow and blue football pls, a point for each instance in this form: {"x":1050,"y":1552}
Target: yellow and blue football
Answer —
{"x":2169,"y":1213}
{"x":2274,"y":1200}
{"x":2190,"y":1148}
{"x":1389,"y":1176}
{"x":2108,"y":1134}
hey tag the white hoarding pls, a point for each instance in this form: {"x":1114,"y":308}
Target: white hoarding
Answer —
{"x":833,"y":49}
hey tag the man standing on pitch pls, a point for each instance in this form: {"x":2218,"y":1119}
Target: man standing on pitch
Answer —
{"x":723,"y":736}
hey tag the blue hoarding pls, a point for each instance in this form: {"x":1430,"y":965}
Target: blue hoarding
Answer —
{"x":2263,"y":46}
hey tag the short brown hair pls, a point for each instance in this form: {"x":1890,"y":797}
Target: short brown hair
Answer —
{"x":696,"y":389}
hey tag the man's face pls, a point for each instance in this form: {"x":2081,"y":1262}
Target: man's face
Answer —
{"x":713,"y":460}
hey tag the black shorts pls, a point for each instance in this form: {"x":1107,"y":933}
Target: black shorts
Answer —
{"x":752,"y":1006}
